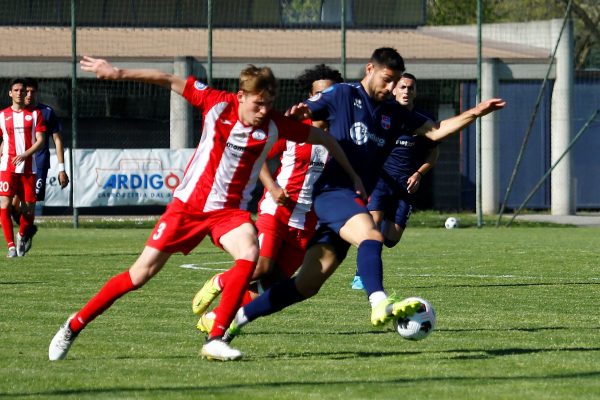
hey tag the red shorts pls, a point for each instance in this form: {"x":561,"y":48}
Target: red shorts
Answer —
{"x":281,"y":243}
{"x":22,"y":185}
{"x":181,"y":228}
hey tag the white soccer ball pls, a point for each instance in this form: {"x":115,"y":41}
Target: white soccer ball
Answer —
{"x":451,"y":223}
{"x":418,"y":326}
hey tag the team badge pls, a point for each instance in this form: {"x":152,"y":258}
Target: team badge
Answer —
{"x":199,"y":85}
{"x":386,"y":122}
{"x":28,"y":118}
{"x":315,"y":97}
{"x":258,"y":135}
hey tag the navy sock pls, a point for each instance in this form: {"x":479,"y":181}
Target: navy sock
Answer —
{"x":276,"y":298}
{"x":369,"y":265}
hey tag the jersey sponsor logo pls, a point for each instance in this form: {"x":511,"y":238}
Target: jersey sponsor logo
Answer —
{"x":386,"y":122}
{"x":199,"y":85}
{"x":259,"y":135}
{"x":404,"y":143}
{"x":141,"y":181}
{"x":315,"y":97}
{"x":360,"y":135}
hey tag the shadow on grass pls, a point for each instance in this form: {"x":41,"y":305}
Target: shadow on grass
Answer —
{"x":118,"y":392}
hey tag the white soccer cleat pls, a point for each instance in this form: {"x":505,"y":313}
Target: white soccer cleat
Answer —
{"x":20,"y":245}
{"x":61,"y":342}
{"x":217,"y":349}
{"x":12,"y":252}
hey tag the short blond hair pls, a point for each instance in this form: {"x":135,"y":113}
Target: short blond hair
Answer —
{"x":258,"y":80}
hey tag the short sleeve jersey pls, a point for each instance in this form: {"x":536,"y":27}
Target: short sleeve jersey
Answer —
{"x":53,"y":125}
{"x":301,"y":166}
{"x":18,"y":134}
{"x":364,"y":128}
{"x":224,"y":168}
{"x":408,"y":154}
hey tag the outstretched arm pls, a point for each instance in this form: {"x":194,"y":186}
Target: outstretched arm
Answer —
{"x":452,"y":125}
{"x":104,"y":70}
{"x":318,"y":136}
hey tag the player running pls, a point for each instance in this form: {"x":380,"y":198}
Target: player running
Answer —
{"x":286,"y":220}
{"x":412,"y":157}
{"x":238,"y":131}
{"x":366,"y":123}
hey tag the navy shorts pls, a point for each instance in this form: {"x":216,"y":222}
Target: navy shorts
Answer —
{"x":395,"y":204}
{"x":334,"y":208}
{"x":40,"y":184}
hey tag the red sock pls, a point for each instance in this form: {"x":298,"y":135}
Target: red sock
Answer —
{"x":24,"y":223}
{"x":235,"y":286}
{"x":245,"y":300}
{"x":116,"y":287}
{"x":7,"y":227}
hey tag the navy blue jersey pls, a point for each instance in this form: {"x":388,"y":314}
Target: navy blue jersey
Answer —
{"x":365,"y":129}
{"x":42,"y":156}
{"x":408,"y":154}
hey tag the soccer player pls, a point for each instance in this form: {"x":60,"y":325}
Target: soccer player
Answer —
{"x":286,"y":220}
{"x":412,"y":157}
{"x":238,"y":131}
{"x":22,"y":135}
{"x":366,"y":123}
{"x":42,"y":157}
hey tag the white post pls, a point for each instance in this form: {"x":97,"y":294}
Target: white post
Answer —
{"x":181,"y":123}
{"x":561,"y":125}
{"x":490,"y":148}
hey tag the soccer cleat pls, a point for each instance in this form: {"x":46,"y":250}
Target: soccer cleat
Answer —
{"x":206,"y":321}
{"x":12,"y":252}
{"x":231,"y":332}
{"x":28,"y":238}
{"x":62,"y":341}
{"x":206,"y":295}
{"x":391,"y":308}
{"x":357,"y":283}
{"x":217,"y":349}
{"x":20,"y":245}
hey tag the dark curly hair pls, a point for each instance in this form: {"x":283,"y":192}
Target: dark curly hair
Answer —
{"x":316,"y":73}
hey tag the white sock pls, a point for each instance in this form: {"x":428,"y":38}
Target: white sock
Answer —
{"x":240,"y":318}
{"x":376,"y":297}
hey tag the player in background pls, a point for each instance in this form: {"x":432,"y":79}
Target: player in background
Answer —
{"x":366,"y":122}
{"x":22,"y":135}
{"x":42,"y":157}
{"x":238,"y":131}
{"x":286,"y":220}
{"x":412,"y":157}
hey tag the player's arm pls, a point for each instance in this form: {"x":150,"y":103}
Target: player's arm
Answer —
{"x":414,"y":180}
{"x":39,"y":142}
{"x":278,"y":193}
{"x":318,"y":136}
{"x":105,"y":70}
{"x":63,"y":178}
{"x":452,"y":125}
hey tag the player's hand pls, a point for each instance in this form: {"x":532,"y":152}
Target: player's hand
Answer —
{"x":280,"y":195}
{"x":63,"y":179}
{"x":18,"y":159}
{"x":488,"y":106}
{"x":100,"y":67}
{"x":413,"y":183}
{"x":359,"y":188}
{"x":299,"y":112}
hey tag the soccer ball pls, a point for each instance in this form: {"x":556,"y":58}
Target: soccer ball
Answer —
{"x":451,"y":223}
{"x":418,"y":326}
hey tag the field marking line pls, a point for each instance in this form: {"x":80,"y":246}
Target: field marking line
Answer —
{"x":202,"y":268}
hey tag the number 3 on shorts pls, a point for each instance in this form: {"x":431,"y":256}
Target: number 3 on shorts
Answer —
{"x":159,"y":230}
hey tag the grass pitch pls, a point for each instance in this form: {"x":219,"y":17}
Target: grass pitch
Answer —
{"x":517,"y":318}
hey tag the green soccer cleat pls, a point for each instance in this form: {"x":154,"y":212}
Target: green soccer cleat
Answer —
{"x":206,"y":321}
{"x":232,"y":332}
{"x":206,"y":295}
{"x":391,"y":308}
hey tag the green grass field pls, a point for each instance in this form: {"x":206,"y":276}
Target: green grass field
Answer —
{"x":517,"y":318}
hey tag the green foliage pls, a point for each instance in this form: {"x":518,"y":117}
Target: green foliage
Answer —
{"x":516,"y":319}
{"x":301,"y":11}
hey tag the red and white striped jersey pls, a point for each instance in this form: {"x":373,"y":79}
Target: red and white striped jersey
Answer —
{"x":301,"y":166}
{"x":223,"y":171}
{"x":18,"y":134}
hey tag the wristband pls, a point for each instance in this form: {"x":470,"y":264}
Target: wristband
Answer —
{"x":61,"y":167}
